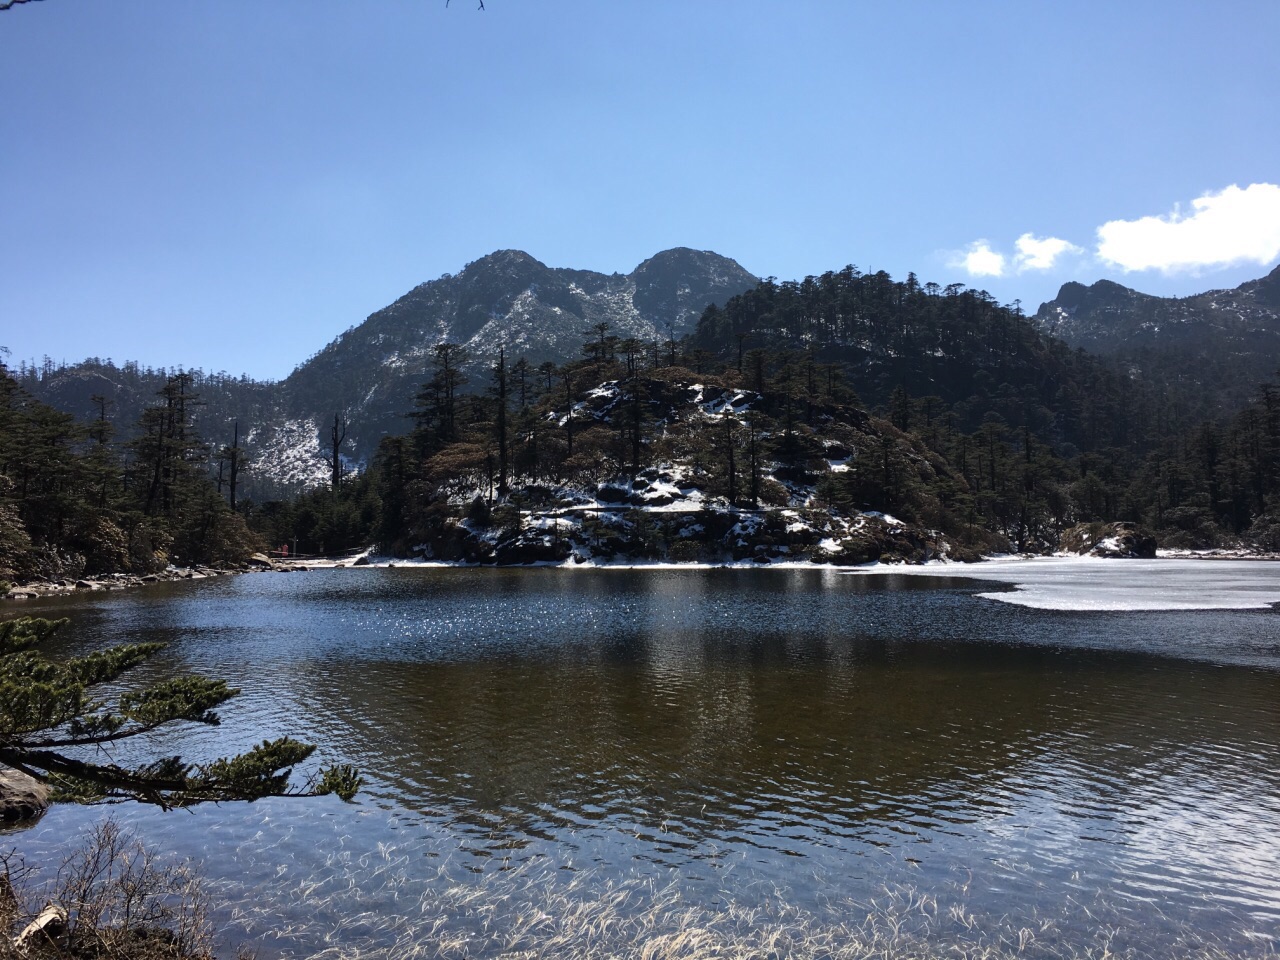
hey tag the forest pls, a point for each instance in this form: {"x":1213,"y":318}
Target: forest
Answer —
{"x":74,"y":502}
{"x":843,"y":418}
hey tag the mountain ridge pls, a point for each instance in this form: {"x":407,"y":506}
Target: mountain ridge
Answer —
{"x":506,"y":299}
{"x":1221,"y":343}
{"x":370,"y":373}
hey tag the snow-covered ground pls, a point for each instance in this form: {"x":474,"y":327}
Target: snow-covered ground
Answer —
{"x":1093,"y":583}
{"x":290,"y":455}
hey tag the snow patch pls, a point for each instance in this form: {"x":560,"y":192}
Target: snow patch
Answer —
{"x":290,"y":455}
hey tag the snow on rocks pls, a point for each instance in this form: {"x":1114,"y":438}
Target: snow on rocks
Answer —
{"x":1108,"y":540}
{"x":676,"y":510}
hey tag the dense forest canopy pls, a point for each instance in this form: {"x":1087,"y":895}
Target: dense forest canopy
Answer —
{"x":956,"y":344}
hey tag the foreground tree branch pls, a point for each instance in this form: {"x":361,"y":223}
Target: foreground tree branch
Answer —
{"x":46,"y":708}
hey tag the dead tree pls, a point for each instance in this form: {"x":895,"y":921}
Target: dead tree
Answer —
{"x":336,"y":435}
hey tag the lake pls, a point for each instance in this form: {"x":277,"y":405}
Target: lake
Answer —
{"x":722,"y":763}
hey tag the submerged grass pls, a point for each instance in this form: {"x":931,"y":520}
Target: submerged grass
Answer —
{"x":384,"y":904}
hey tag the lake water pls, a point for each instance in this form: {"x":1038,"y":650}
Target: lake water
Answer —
{"x":721,"y":763}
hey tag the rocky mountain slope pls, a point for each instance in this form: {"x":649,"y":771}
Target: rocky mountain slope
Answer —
{"x":507,"y":299}
{"x":1218,"y":346}
{"x":371,"y":373}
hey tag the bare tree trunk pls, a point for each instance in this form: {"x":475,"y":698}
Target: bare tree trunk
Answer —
{"x":336,"y":435}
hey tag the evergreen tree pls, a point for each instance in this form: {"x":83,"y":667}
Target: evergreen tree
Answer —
{"x":49,"y":714}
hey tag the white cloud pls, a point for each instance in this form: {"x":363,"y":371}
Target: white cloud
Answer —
{"x":1230,"y":227}
{"x":980,"y":260}
{"x":1041,"y":254}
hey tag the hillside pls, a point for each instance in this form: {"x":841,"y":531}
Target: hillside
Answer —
{"x":220,"y":402}
{"x":1213,"y":349}
{"x":898,"y":342}
{"x":507,"y":299}
{"x":642,"y":463}
{"x":839,"y":418}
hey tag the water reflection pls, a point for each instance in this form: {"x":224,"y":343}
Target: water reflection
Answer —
{"x":727,"y":738}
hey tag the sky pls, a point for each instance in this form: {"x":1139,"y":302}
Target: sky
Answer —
{"x":229,"y":184}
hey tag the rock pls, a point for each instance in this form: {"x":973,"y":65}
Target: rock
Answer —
{"x":1117,"y":540}
{"x":46,"y":930}
{"x":361,"y":561}
{"x":89,"y":585}
{"x":525,"y":550}
{"x":21,"y":797}
{"x":608,"y":493}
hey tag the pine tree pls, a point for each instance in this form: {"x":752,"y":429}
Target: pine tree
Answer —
{"x":49,"y":714}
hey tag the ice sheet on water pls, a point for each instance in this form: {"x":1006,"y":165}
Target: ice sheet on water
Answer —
{"x":1092,"y":583}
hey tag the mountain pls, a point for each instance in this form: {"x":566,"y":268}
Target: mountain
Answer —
{"x":1215,"y":347}
{"x":507,"y":299}
{"x":372,"y":372}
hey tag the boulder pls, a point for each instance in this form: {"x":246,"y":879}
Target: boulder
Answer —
{"x":608,"y":493}
{"x":21,"y":797}
{"x":524,"y":550}
{"x":1116,"y":540}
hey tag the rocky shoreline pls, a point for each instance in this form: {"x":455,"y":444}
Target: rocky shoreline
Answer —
{"x":110,"y":581}
{"x":66,"y":586}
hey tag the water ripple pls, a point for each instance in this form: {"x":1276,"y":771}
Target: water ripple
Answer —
{"x":784,"y":741}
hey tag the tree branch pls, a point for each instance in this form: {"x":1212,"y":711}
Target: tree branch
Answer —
{"x":43,"y":710}
{"x":41,"y":763}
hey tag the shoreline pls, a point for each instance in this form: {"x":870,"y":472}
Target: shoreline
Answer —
{"x":107,"y":582}
{"x":67,"y":586}
{"x":375,"y":561}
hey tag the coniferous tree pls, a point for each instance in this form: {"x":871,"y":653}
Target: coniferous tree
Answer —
{"x":49,"y":715}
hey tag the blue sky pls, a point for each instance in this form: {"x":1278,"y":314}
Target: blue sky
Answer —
{"x":229,"y":184}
